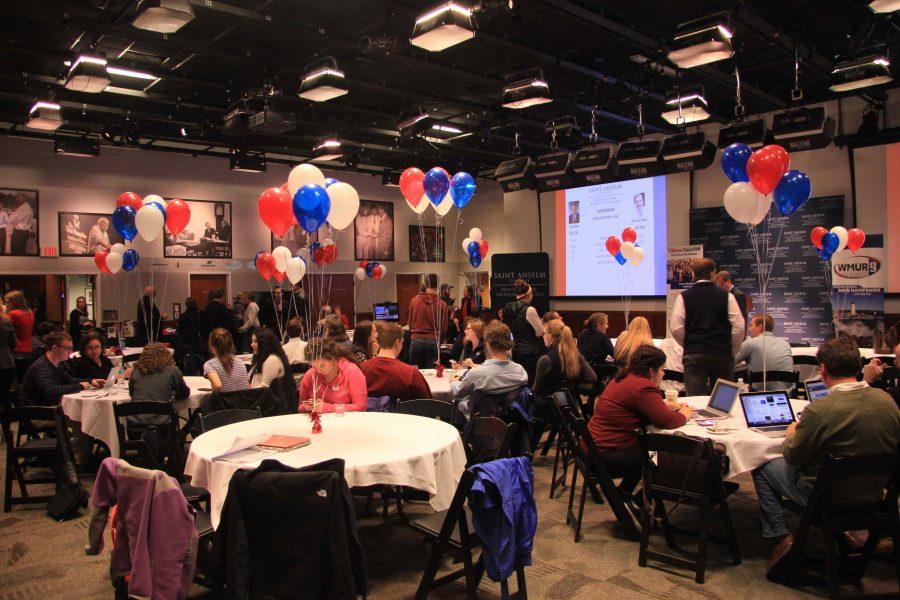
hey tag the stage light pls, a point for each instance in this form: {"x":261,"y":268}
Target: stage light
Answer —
{"x":802,"y":129}
{"x":526,"y":92}
{"x":884,"y":6}
{"x":516,"y":174}
{"x":702,"y":41}
{"x":76,"y":147}
{"x":639,"y":158}
{"x":413,"y":125}
{"x":163,"y":16}
{"x":246,"y":163}
{"x":686,"y":108}
{"x":593,"y":164}
{"x":44,"y":115}
{"x":752,"y":133}
{"x":443,"y":26}
{"x":328,"y":148}
{"x":553,"y":171}
{"x":88,"y":74}
{"x":687,"y":152}
{"x":323,"y":83}
{"x":860,"y":73}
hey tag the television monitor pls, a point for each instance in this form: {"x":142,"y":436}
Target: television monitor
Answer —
{"x":387,"y":311}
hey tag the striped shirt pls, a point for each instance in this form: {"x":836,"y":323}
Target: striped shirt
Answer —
{"x":236,"y":380}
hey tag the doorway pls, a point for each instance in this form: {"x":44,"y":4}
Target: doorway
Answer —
{"x":407,"y":288}
{"x":335,"y":289}
{"x":202,"y":284}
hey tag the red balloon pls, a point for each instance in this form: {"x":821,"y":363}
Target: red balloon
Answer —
{"x":330,"y":254}
{"x":100,"y":261}
{"x":855,"y":239}
{"x":129,"y":199}
{"x":815,"y":236}
{"x":412,"y":185}
{"x":276,"y":210}
{"x":629,"y":235}
{"x":178,"y":215}
{"x":319,"y":255}
{"x":265,"y":265}
{"x":613,"y":244}
{"x":279,"y":275}
{"x":377,"y":272}
{"x":766,"y":166}
{"x":363,"y":263}
{"x":483,"y":248}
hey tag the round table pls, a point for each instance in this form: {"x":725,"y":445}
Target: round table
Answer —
{"x":745,"y":448}
{"x":377,"y":448}
{"x":440,"y":386}
{"x":127,"y":351}
{"x":93,"y":408}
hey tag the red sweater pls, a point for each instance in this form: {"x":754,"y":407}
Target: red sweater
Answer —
{"x":428,"y":316}
{"x":23,"y":323}
{"x":625,"y":406}
{"x":394,"y":378}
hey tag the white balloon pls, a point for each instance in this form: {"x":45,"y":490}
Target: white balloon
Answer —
{"x":120,"y":248}
{"x":383,"y":269}
{"x":344,"y":205}
{"x":295,"y":268}
{"x":359,"y":273}
{"x":627,"y":250}
{"x":762,"y":210}
{"x":637,"y":255}
{"x":154,"y":198}
{"x":328,"y":242}
{"x":114,"y":261}
{"x":282,"y":255}
{"x":743,"y":202}
{"x":841,"y":232}
{"x":304,"y":253}
{"x":302,"y":175}
{"x":421,"y":207}
{"x":149,"y":222}
{"x":465,"y":244}
{"x":475,"y":234}
{"x":446,"y":204}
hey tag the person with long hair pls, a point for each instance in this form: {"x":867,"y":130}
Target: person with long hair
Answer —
{"x":473,"y":345}
{"x":269,"y":360}
{"x":79,"y":321}
{"x":630,"y":401}
{"x":563,"y":366}
{"x":224,"y":373}
{"x":92,"y":362}
{"x":333,"y":379}
{"x":365,"y":341}
{"x":636,"y":335}
{"x":7,"y":345}
{"x":332,"y":329}
{"x":593,"y":343}
{"x":526,"y":327}
{"x":22,"y":319}
{"x":155,"y":378}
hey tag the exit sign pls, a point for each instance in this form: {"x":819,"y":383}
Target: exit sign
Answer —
{"x":48,"y":251}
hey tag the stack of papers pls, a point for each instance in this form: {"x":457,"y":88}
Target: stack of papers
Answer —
{"x":251,"y":449}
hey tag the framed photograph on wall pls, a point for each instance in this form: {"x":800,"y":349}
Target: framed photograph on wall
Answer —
{"x":19,"y":222}
{"x":208,"y":234}
{"x":85,"y":234}
{"x":426,"y":243}
{"x":373,"y":231}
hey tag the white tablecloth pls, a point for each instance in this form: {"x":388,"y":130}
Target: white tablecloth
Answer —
{"x":94,"y":408}
{"x":440,"y":386}
{"x":377,"y":448}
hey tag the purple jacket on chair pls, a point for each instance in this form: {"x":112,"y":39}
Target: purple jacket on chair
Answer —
{"x":156,"y":540}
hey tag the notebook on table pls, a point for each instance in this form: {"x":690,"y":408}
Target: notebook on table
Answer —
{"x":720,"y":401}
{"x":769,"y":413}
{"x":257,"y":447}
{"x":815,"y":389}
{"x":284,"y":443}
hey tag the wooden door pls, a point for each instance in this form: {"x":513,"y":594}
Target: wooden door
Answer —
{"x":202,"y":285}
{"x":335,"y":290}
{"x":407,"y":288}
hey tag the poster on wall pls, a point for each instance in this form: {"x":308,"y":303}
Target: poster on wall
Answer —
{"x":207,"y":235}
{"x":857,"y":295}
{"x":798,"y":292}
{"x":679,"y":274}
{"x":85,"y":234}
{"x":426,"y":243}
{"x":373,"y":231}
{"x":533,"y":267}
{"x":19,"y":227}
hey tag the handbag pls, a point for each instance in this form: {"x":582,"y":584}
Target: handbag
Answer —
{"x":65,"y":503}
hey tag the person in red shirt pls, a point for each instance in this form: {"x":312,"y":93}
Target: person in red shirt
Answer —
{"x":388,"y":376}
{"x":333,"y":379}
{"x":22,"y":319}
{"x":428,"y":318}
{"x":633,"y":400}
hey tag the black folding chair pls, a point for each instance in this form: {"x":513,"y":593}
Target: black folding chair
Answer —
{"x":755,"y":378}
{"x":605,"y":372}
{"x":799,"y":344}
{"x":153,"y":453}
{"x":563,"y":455}
{"x":486,"y":439}
{"x":432,"y":409}
{"x":129,"y":432}
{"x":36,"y":446}
{"x":803,"y":359}
{"x":687,"y":472}
{"x":220,"y":418}
{"x":829,"y":510}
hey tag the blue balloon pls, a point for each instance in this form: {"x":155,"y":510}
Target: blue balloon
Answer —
{"x":472,"y":248}
{"x":130,"y":258}
{"x":824,"y":255}
{"x":123,"y":221}
{"x":311,"y":206}
{"x":462,"y":188}
{"x":370,"y":266}
{"x":830,"y":243}
{"x":792,"y":191}
{"x":437,"y":183}
{"x":158,"y":205}
{"x":620,"y":259}
{"x":475,"y":260}
{"x":329,"y":181}
{"x":315,"y":245}
{"x":734,"y":162}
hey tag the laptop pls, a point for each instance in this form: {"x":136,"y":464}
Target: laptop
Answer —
{"x":720,"y":401}
{"x":111,"y":378}
{"x":769,"y":413}
{"x":815,"y":389}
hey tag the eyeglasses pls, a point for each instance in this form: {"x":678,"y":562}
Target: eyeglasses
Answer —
{"x":69,"y":348}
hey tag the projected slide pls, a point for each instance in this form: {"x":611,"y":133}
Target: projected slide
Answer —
{"x":586,"y":216}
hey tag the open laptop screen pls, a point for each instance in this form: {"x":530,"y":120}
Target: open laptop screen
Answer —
{"x":815,"y":389}
{"x":767,"y":408}
{"x":723,"y":396}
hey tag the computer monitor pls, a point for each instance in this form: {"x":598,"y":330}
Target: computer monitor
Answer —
{"x":815,"y":389}
{"x":387,"y":311}
{"x":723,"y":395}
{"x":767,"y":408}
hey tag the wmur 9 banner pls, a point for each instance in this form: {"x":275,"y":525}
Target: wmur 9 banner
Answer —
{"x":857,"y":295}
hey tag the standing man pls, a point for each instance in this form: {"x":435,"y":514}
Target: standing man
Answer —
{"x":765,"y":352}
{"x":707,"y":323}
{"x":428,"y":318}
{"x":214,"y":316}
{"x":148,"y":317}
{"x":724,"y":281}
{"x":250,"y":322}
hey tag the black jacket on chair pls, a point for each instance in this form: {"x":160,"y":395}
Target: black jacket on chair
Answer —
{"x":280,"y":398}
{"x":289,"y":533}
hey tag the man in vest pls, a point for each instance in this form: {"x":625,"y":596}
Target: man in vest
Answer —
{"x":707,"y":322}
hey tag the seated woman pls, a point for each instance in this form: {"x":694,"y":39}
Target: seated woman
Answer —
{"x":333,"y":379}
{"x":269,"y":360}
{"x":155,"y":378}
{"x":562,"y":366}
{"x":224,"y":373}
{"x":593,"y":343}
{"x":473,"y":345}
{"x":365,"y":342}
{"x":332,"y":329}
{"x":92,"y":362}
{"x":497,"y":375}
{"x":637,"y":335}
{"x":632,"y":400}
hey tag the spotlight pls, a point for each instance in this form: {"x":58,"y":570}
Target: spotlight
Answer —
{"x":44,"y":115}
{"x":753,"y":133}
{"x":413,"y":125}
{"x":88,"y":74}
{"x":639,"y":158}
{"x":516,"y":174}
{"x":593,"y":164}
{"x":76,"y":147}
{"x":183,"y":132}
{"x":323,"y":83}
{"x":685,"y":152}
{"x":702,"y":41}
{"x":163,"y":16}
{"x":803,"y":128}
{"x":864,"y":72}
{"x":247,"y":163}
{"x":445,"y":25}
{"x":689,"y":107}
{"x":869,"y":125}
{"x":884,"y":6}
{"x":527,"y":92}
{"x":328,"y":148}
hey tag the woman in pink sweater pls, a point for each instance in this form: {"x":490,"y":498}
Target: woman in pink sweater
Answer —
{"x":333,"y":379}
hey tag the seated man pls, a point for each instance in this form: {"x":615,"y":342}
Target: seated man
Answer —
{"x":852,"y":420}
{"x":295,"y":347}
{"x":765,"y":352}
{"x":497,"y":375}
{"x":674,"y":362}
{"x":386,"y":375}
{"x":873,"y":371}
{"x":45,"y":382}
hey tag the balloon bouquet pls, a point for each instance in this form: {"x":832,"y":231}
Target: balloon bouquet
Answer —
{"x":625,"y":251}
{"x":829,"y":242}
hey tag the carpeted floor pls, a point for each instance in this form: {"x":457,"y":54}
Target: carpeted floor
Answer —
{"x":42,"y":559}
